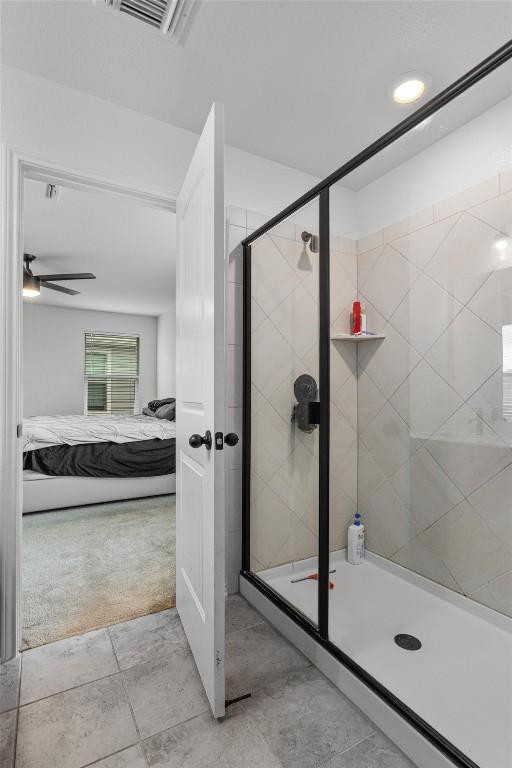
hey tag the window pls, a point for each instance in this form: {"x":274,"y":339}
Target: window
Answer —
{"x":111,"y":373}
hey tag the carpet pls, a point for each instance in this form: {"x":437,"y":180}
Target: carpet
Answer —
{"x":89,"y":567}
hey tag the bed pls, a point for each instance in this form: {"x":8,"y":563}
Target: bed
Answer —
{"x":74,"y":460}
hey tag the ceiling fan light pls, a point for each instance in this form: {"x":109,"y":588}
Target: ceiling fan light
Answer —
{"x":31,"y":286}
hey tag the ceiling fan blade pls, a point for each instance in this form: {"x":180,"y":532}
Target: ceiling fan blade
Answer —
{"x":72,"y":276}
{"x":59,"y":288}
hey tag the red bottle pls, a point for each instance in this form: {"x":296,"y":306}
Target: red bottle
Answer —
{"x":356,"y":317}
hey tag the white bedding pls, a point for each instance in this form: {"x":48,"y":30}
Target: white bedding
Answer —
{"x":44,"y":431}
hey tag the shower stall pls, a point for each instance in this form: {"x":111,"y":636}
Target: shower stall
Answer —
{"x":408,"y":424}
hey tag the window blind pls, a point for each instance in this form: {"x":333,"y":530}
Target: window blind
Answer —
{"x":111,"y":373}
{"x":507,"y":372}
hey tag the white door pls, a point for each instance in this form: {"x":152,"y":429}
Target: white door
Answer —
{"x":200,"y":408}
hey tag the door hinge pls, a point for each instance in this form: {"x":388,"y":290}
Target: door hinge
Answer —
{"x":19,"y":430}
{"x":218,"y":658}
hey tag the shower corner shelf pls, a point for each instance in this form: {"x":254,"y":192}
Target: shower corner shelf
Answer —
{"x":362,"y":337}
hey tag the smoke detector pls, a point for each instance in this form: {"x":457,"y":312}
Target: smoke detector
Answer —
{"x":169,"y":16}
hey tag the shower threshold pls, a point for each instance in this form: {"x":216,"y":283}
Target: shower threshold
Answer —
{"x":459,"y":681}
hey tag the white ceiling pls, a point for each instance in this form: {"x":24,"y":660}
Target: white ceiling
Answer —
{"x":304,"y":83}
{"x":130,"y":248}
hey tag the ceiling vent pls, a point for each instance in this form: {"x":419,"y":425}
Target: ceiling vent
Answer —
{"x":169,"y":16}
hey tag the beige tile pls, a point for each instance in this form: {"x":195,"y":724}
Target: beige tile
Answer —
{"x":370,"y":475}
{"x":388,"y":440}
{"x":389,"y":281}
{"x":369,"y":400}
{"x":254,"y":220}
{"x":497,"y":594}
{"x":272,"y":358}
{"x":466,"y":199}
{"x":420,"y":246}
{"x":410,"y":224}
{"x":365,"y":264}
{"x":296,"y":484}
{"x":425,"y":401}
{"x":388,"y":362}
{"x":271,"y":442}
{"x":466,"y":354}
{"x":489,"y":404}
{"x":493,"y":503}
{"x":425,"y":313}
{"x":297,"y":319}
{"x":468,"y":450}
{"x":346,"y":245}
{"x":465,"y":258}
{"x":345,"y":399}
{"x":425,"y":489}
{"x":419,"y":556}
{"x":493,"y":301}
{"x":368,"y":242}
{"x":270,"y":527}
{"x":389,"y":525}
{"x":471,"y":552}
{"x":272,"y":278}
{"x":496,"y":212}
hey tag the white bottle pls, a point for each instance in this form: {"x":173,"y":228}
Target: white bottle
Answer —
{"x":355,"y":543}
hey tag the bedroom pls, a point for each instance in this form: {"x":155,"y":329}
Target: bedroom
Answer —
{"x":98,"y":452}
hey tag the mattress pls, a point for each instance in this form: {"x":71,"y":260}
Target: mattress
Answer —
{"x":45,"y":431}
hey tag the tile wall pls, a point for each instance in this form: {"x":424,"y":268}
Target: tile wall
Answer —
{"x":435,"y":450}
{"x":419,"y":440}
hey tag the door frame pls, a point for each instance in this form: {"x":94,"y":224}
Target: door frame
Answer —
{"x":15,"y":168}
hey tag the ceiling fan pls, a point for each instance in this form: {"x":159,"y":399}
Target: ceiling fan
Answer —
{"x":32,"y":284}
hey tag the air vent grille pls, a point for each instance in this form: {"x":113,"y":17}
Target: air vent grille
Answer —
{"x":167,"y":15}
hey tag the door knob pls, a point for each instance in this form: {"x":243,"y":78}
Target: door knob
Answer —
{"x":196,"y":441}
{"x":231,"y":439}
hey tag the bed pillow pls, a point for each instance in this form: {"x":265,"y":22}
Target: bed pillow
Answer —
{"x":148,"y":412}
{"x":166,"y":412}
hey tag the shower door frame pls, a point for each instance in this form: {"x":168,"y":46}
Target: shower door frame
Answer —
{"x":321,"y":191}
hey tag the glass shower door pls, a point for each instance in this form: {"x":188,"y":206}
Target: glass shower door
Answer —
{"x":284,"y":409}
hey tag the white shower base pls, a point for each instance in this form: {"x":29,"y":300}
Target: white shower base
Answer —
{"x":460,"y":681}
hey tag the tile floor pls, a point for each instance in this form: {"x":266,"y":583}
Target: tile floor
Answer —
{"x":129,"y":697}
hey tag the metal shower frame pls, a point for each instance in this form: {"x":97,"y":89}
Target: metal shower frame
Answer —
{"x":322,"y":191}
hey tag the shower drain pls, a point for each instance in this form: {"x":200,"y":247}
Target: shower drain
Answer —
{"x":408,"y":642}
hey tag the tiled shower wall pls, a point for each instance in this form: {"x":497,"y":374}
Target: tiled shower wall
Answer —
{"x":284,"y":482}
{"x":435,"y":450}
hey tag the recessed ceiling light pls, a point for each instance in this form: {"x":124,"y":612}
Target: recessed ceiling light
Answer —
{"x":409,"y":87}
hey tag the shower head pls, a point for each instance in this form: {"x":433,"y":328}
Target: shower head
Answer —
{"x":308,"y":237}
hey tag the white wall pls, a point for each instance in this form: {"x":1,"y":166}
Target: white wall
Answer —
{"x":166,"y":354}
{"x":53,"y":355}
{"x":73,"y":129}
{"x":473,"y":153}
